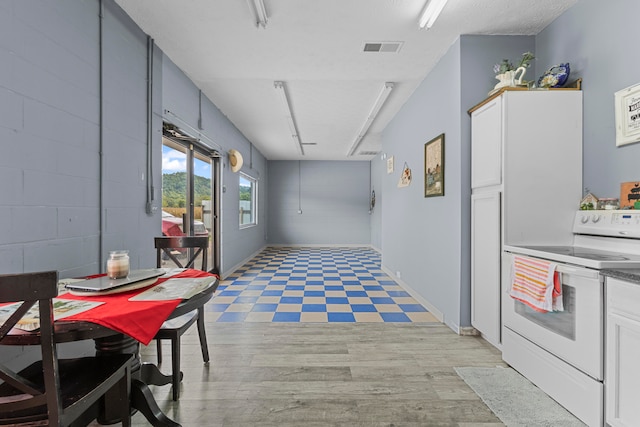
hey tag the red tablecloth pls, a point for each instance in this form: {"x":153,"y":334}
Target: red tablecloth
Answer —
{"x":140,"y":320}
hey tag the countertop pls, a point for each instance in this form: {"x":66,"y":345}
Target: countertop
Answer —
{"x":628,"y":274}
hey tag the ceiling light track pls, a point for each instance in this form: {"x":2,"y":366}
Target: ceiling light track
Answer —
{"x":384,"y":94}
{"x":431,"y":12}
{"x":286,"y":107}
{"x":261,"y":13}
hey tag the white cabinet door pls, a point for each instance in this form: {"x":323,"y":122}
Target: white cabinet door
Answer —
{"x":486,"y":145}
{"x":485,"y":265}
{"x":622,"y":370}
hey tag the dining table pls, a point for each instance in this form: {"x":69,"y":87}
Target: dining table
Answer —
{"x":119,"y":322}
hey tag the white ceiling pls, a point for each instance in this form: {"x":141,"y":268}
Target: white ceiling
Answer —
{"x":316,"y":48}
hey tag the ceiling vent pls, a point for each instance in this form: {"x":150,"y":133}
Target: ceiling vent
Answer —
{"x":368,"y":153}
{"x":392,"y":47}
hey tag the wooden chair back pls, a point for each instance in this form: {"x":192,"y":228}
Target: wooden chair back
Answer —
{"x":27,"y":290}
{"x":191,"y":246}
{"x":50,"y":391}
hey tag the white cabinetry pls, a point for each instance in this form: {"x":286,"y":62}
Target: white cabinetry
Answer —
{"x":485,"y":267}
{"x":486,"y":145}
{"x":526,"y":182}
{"x":622,"y":350}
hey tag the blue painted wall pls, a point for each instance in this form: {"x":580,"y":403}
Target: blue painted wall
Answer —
{"x":58,"y":210}
{"x":427,"y":240}
{"x":333,"y":197}
{"x":181,"y":103}
{"x":421,"y":236}
{"x":65,"y":198}
{"x":598,"y":40}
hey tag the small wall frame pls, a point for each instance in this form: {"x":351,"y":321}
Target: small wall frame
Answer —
{"x":434,"y":167}
{"x":627,"y":109}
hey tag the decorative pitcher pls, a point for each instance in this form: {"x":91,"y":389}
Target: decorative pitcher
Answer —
{"x":510,"y":78}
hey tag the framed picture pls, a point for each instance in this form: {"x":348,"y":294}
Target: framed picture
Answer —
{"x":405,"y":177}
{"x":434,"y":167}
{"x":627,"y":109}
{"x":390,"y":165}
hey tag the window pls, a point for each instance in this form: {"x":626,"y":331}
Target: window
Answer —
{"x":248,"y":205}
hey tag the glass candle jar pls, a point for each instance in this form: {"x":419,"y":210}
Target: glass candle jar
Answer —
{"x":118,"y":264}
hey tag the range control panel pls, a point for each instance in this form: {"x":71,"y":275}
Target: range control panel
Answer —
{"x":617,"y":223}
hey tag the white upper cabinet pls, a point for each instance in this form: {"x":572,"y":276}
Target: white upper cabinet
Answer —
{"x":486,"y":145}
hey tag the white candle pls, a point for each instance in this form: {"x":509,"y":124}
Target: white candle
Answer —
{"x":118,"y":264}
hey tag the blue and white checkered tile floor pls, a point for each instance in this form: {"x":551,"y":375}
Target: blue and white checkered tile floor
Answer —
{"x":314,"y":285}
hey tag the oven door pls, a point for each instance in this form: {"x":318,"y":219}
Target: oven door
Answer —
{"x":574,"y":335}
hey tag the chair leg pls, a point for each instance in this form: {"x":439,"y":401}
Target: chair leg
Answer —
{"x":203,"y":336}
{"x":175,"y":362}
{"x":159,"y":350}
{"x":125,"y":390}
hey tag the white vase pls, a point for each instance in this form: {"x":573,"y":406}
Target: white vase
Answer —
{"x":510,"y":78}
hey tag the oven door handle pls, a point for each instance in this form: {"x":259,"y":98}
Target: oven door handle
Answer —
{"x":577,"y":271}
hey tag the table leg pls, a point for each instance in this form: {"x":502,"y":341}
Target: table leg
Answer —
{"x":142,"y":374}
{"x":150,"y":374}
{"x":143,"y":401}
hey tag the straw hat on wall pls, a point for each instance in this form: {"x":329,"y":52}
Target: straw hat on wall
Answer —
{"x":235,"y":160}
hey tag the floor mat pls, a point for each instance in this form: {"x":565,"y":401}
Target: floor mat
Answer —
{"x":515,"y":400}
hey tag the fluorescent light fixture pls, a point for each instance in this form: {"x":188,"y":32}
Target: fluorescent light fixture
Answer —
{"x":286,"y":107}
{"x":261,"y":13}
{"x":384,"y":94}
{"x":431,"y":12}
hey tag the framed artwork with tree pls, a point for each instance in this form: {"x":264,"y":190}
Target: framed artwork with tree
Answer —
{"x":434,"y":167}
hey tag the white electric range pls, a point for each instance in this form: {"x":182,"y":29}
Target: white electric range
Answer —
{"x":602,"y":239}
{"x":563,"y":352}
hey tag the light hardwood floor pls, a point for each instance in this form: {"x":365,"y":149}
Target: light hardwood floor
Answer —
{"x":322,"y":374}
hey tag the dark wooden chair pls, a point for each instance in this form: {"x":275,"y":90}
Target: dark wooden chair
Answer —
{"x":192,"y":247}
{"x":52,"y":391}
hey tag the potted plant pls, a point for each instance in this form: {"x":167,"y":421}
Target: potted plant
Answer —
{"x":508,"y":75}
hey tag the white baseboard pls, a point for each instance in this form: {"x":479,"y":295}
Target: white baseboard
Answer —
{"x":225,"y":274}
{"x":432,"y":309}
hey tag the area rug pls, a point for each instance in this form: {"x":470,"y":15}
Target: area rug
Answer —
{"x":514,"y":399}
